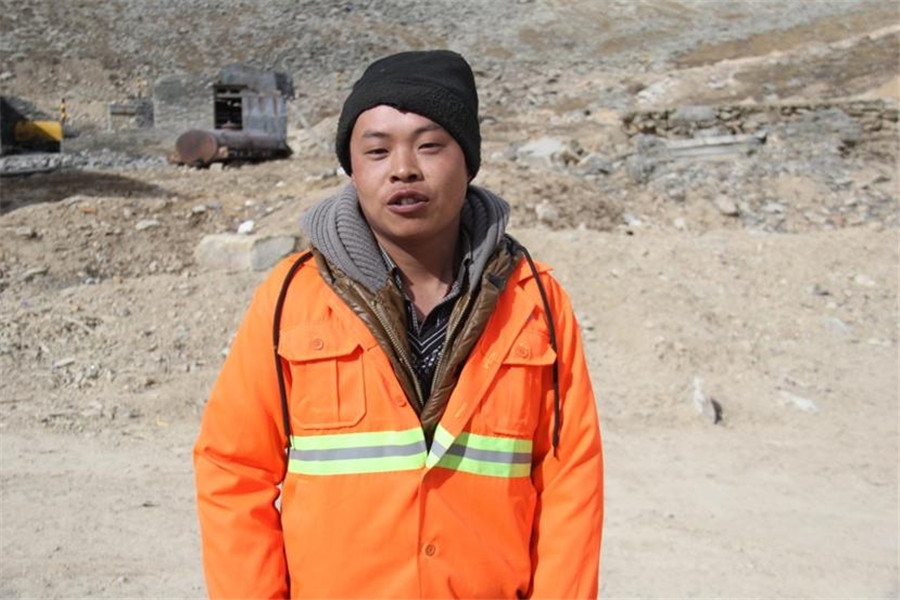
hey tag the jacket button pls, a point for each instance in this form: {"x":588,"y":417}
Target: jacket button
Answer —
{"x":400,"y":400}
{"x":317,"y":343}
{"x":523,"y":351}
{"x":430,"y":549}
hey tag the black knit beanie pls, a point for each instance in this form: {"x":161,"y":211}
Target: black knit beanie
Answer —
{"x":437,"y":84}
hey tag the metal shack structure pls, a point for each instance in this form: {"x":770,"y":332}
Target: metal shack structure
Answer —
{"x":250,"y":119}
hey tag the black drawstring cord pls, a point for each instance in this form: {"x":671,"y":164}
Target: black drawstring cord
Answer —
{"x":276,"y":327}
{"x":552,"y":330}
{"x":279,"y":369}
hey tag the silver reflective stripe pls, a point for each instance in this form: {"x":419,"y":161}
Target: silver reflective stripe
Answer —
{"x":490,"y":455}
{"x":362,"y":452}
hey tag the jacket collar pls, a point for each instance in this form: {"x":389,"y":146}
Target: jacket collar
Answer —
{"x":336,"y":227}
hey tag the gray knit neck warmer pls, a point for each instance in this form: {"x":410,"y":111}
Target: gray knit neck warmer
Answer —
{"x":337,"y":228}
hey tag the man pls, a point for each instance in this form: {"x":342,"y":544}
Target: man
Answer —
{"x":441,"y":431}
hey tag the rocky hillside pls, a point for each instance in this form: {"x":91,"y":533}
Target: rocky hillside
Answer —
{"x":715,"y":184}
{"x":538,"y":54}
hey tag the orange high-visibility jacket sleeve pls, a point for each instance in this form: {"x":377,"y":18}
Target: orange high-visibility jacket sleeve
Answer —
{"x":565,"y":548}
{"x":239,"y":461}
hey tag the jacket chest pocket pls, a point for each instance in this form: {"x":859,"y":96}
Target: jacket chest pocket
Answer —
{"x":522,"y":381}
{"x":327,"y":389}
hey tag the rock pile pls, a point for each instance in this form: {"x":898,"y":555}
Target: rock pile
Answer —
{"x":693,"y":121}
{"x":101,"y":158}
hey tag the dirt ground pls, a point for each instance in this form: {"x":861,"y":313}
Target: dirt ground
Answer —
{"x":111,"y":336}
{"x":779,"y":500}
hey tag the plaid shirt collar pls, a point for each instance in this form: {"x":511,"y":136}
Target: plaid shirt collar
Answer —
{"x":455,"y":290}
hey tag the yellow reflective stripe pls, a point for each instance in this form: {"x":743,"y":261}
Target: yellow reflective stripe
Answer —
{"x":349,"y":453}
{"x":355,"y":440}
{"x":481,"y":454}
{"x":357,"y":466}
{"x":480,"y":467}
{"x":499,"y":444}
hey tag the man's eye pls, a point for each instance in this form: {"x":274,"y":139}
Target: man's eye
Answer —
{"x":430,"y":146}
{"x":375,"y":152}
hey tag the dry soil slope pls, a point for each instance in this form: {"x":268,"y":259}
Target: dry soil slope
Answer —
{"x":108,"y":349}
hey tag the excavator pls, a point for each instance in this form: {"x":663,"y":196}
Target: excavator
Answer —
{"x":21,"y":132}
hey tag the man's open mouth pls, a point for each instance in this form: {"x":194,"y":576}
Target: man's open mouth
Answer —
{"x":407,"y":198}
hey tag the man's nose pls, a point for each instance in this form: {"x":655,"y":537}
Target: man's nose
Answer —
{"x":405,"y":167}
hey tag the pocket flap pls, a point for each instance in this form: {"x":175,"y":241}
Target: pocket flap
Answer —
{"x":530,"y":348}
{"x":315,"y":341}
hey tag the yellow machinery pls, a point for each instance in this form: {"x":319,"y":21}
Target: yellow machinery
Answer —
{"x":38,"y":133}
{"x":20,"y":131}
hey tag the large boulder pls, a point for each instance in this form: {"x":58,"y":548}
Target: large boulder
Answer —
{"x":236,"y":252}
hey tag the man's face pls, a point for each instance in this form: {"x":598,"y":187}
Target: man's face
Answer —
{"x":410,"y":175}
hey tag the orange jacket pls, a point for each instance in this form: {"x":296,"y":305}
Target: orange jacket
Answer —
{"x":366,"y":510}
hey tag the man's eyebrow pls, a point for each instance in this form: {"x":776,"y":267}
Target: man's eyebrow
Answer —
{"x":427,"y":128}
{"x":376,"y":134}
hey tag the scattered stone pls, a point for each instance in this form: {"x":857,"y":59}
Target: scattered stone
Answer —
{"x":632,"y":220}
{"x":34,"y":272}
{"x":156,"y":205}
{"x":145,"y":224}
{"x":6,"y":75}
{"x":710,"y":132}
{"x":546,"y":213}
{"x":246,"y":228}
{"x":726,"y":206}
{"x":864,"y":281}
{"x":680,"y":223}
{"x":540,"y":151}
{"x":804,"y":404}
{"x":814,"y":217}
{"x":715,"y":146}
{"x":594,"y":164}
{"x":26,"y":232}
{"x":640,"y":168}
{"x":571,"y":154}
{"x":92,"y":409}
{"x":706,"y":407}
{"x":773,"y":208}
{"x":64,"y":362}
{"x":818,"y":290}
{"x":216,"y":167}
{"x":584,"y":321}
{"x":240,"y":252}
{"x":837,"y":123}
{"x":837,"y":326}
{"x":676,"y":193}
{"x":198,"y":209}
{"x":694,"y":114}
